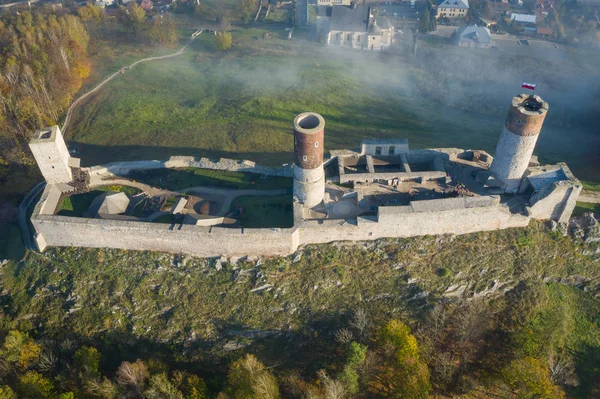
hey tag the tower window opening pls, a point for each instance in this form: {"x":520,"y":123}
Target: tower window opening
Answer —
{"x":316,"y":144}
{"x":305,"y":158}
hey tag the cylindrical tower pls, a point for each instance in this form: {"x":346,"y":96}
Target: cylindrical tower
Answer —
{"x":309,"y":177}
{"x":517,"y":141}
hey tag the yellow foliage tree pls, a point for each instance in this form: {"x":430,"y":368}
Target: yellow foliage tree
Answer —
{"x":400,"y":373}
{"x":248,"y":379}
{"x":530,"y":378}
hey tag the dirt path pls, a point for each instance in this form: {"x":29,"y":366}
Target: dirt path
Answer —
{"x":588,"y":199}
{"x":111,"y":77}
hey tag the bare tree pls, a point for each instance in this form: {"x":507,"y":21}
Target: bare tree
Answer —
{"x":360,"y":321}
{"x":134,"y":374}
{"x":332,"y":389}
{"x":344,"y":336}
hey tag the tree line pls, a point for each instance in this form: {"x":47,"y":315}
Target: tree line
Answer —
{"x":476,"y":346}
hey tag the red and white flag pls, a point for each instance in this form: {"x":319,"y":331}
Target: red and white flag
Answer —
{"x":530,"y":86}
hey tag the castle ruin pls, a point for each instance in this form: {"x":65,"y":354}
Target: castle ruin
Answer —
{"x":382,"y":189}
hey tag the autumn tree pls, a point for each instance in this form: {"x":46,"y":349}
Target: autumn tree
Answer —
{"x":19,"y":348}
{"x":399,"y":371}
{"x":136,"y":18}
{"x":248,"y":379}
{"x":247,"y":9}
{"x":163,"y":31}
{"x":224,"y":40}
{"x":530,"y":379}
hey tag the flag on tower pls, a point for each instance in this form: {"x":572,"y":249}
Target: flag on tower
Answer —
{"x":530,"y":86}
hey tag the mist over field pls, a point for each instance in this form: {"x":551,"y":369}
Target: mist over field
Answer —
{"x":241,"y":103}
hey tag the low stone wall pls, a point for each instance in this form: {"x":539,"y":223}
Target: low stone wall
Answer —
{"x":401,"y":176}
{"x":225,"y":164}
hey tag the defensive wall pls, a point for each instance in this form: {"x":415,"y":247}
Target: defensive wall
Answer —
{"x":443,"y":216}
{"x":514,"y":190}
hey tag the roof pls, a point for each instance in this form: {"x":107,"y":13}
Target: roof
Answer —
{"x":454,"y":4}
{"x":476,"y":33}
{"x":545,"y":31}
{"x":324,"y":11}
{"x":390,"y":141}
{"x":383,"y":22}
{"x":350,"y":19}
{"x":109,"y":204}
{"x":522,"y":18}
{"x":488,"y":21}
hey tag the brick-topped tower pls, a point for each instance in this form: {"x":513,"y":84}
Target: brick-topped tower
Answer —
{"x":517,"y":141}
{"x":309,"y":177}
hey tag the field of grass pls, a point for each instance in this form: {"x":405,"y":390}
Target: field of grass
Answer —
{"x":78,"y":204}
{"x":263,"y":212}
{"x":180,"y":179}
{"x":591,"y":186}
{"x":583,"y":207}
{"x":241,"y":103}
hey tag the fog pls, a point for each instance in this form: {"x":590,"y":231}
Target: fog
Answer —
{"x":457,"y":83}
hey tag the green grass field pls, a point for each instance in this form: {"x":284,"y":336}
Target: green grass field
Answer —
{"x":262,"y":212}
{"x":78,"y":204}
{"x":583,"y":207}
{"x":180,"y":179}
{"x":241,"y":103}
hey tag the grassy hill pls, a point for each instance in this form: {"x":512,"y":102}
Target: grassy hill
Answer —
{"x":200,"y":314}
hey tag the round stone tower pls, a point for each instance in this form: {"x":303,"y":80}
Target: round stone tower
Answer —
{"x":309,"y":177}
{"x":517,"y":141}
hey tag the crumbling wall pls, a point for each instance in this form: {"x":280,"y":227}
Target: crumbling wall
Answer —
{"x":225,"y":164}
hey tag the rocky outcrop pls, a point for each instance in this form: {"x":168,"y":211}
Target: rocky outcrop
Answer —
{"x":586,"y":228}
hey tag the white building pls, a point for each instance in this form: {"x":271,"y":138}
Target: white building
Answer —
{"x":356,"y":27}
{"x":452,"y":8}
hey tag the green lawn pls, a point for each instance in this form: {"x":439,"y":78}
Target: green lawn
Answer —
{"x":583,"y":207}
{"x":259,"y":212}
{"x":241,"y":103}
{"x":591,"y":186}
{"x":180,"y":179}
{"x":78,"y":204}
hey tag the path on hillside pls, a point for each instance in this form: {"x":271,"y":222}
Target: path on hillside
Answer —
{"x":111,"y":77}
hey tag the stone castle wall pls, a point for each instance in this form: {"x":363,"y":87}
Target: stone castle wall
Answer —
{"x":446,"y":216}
